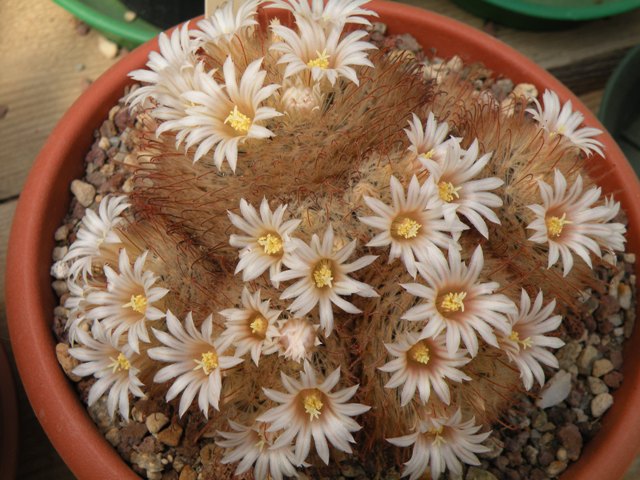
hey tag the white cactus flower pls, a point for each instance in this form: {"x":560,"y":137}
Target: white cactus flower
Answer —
{"x":96,"y":235}
{"x":457,"y":303}
{"x":423,"y":363}
{"x":128,"y":302}
{"x":197,"y":362}
{"x":252,"y":327}
{"x":112,"y":363}
{"x":458,"y":186}
{"x":333,"y":13}
{"x":442,"y":443}
{"x":255,"y":445}
{"x":323,"y":278}
{"x":527,"y":345}
{"x":226,"y":116}
{"x":568,"y":222}
{"x":431,"y":142}
{"x":310,"y":410}
{"x":323,"y":55}
{"x":266,"y":239}
{"x":225,"y":23}
{"x":414,"y":224}
{"x":565,"y":122}
{"x":297,"y":338}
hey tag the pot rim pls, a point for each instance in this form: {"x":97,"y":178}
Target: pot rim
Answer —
{"x":43,"y":203}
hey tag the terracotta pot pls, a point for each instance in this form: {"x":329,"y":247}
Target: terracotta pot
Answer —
{"x":45,"y":200}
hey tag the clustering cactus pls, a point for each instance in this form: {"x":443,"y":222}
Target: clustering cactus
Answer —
{"x":321,"y":241}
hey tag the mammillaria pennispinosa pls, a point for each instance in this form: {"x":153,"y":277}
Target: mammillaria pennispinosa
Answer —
{"x":326,"y":250}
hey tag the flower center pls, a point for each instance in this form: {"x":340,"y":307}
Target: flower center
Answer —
{"x":408,"y":228}
{"x":556,"y":224}
{"x":138,"y":303}
{"x":438,"y":439}
{"x":452,"y":301}
{"x":238,"y":121}
{"x":259,"y":326}
{"x":420,"y":353}
{"x":271,"y":244}
{"x":312,"y":404}
{"x":120,"y":363}
{"x":560,"y":130}
{"x":515,"y":337}
{"x":322,"y":275}
{"x":447,"y":191}
{"x":321,"y":61}
{"x":208,"y":362}
{"x":427,"y":155}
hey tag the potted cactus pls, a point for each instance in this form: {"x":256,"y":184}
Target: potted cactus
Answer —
{"x":333,"y":252}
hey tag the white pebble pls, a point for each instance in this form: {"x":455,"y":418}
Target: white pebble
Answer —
{"x":556,"y":390}
{"x":84,"y":192}
{"x":108,"y":48}
{"x":600,"y":404}
{"x":129,"y":16}
{"x":624,"y":296}
{"x":59,"y":253}
{"x":60,"y":270}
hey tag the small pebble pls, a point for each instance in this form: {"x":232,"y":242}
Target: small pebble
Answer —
{"x":597,"y":386}
{"x":571,"y":439}
{"x":556,"y":468}
{"x":60,"y":287}
{"x":601,"y":367}
{"x":613,"y":379}
{"x":171,"y":435}
{"x":475,"y":473}
{"x":156,"y":421}
{"x":555,"y":390}
{"x":84,"y":192}
{"x":629,"y":257}
{"x":104,"y":143}
{"x":187,"y":473}
{"x":561,"y":454}
{"x":113,"y":436}
{"x":59,"y":253}
{"x":129,"y":16}
{"x":624,"y":296}
{"x":67,"y":362}
{"x":107,"y":48}
{"x":207,"y":453}
{"x":61,"y":233}
{"x":59,"y":270}
{"x":586,"y":358}
{"x":600,"y":404}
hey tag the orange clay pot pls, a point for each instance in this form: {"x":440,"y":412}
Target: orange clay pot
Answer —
{"x":45,"y":200}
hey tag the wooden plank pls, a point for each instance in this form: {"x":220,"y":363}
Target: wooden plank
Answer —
{"x":45,"y":65}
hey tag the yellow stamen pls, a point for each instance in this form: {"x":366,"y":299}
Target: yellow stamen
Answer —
{"x":322,"y":275}
{"x":437,"y":434}
{"x":427,"y":155}
{"x":313,"y":404}
{"x":556,"y":224}
{"x":420,"y":353}
{"x":408,"y":228}
{"x":208,"y":362}
{"x":259,"y":326}
{"x":271,"y":243}
{"x":138,"y":303}
{"x":238,"y":121}
{"x":447,"y":191}
{"x":321,"y":61}
{"x":119,"y":364}
{"x":515,"y":337}
{"x":558,"y":131}
{"x":452,"y":301}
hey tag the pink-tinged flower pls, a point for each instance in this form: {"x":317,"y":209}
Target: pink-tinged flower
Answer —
{"x":414,"y":224}
{"x":112,"y":363}
{"x":255,"y":445}
{"x":252,"y":327}
{"x":197,"y":362}
{"x":96,"y":235}
{"x":463,"y":193}
{"x":323,"y":278}
{"x":128,"y":303}
{"x":169,"y":74}
{"x":423,"y":363}
{"x":440,"y":444}
{"x":266,"y":239}
{"x":309,"y":410}
{"x":431,"y":142}
{"x":527,"y":345}
{"x":325,"y":56}
{"x":458,"y":303}
{"x":565,"y":122}
{"x":225,"y":23}
{"x":568,"y":222}
{"x":223,"y":117}
{"x":333,"y":13}
{"x":297,"y":338}
{"x":77,"y":306}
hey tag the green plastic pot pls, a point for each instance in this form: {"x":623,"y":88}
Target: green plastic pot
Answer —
{"x":620,"y":107}
{"x":107,"y":16}
{"x":545,"y":14}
